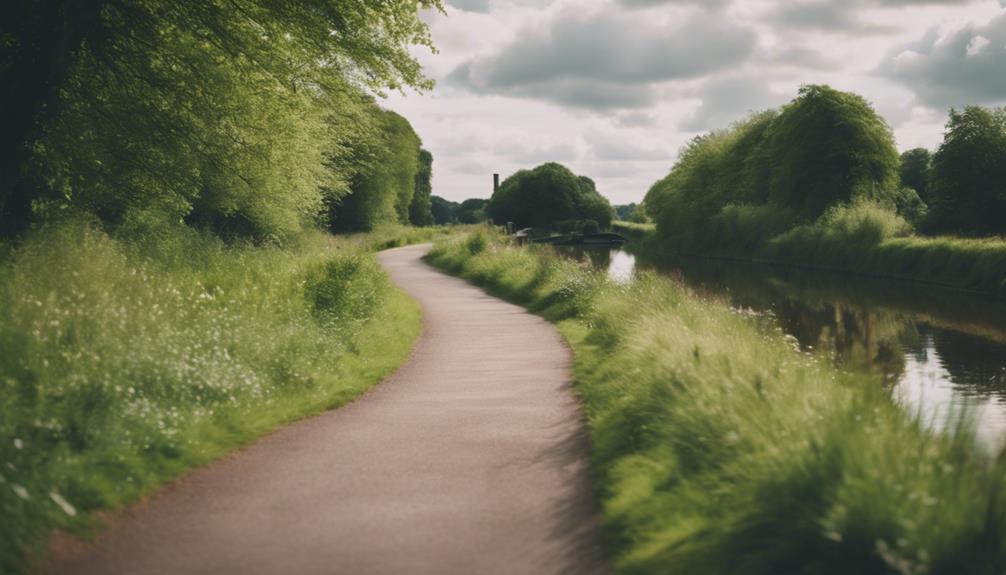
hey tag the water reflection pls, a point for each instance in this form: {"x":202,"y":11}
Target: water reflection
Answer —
{"x":620,"y":264}
{"x":941,"y":352}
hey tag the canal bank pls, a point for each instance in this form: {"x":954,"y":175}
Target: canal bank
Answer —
{"x":722,"y":447}
{"x":942,"y":353}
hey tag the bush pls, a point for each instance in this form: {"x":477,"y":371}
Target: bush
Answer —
{"x":840,"y":238}
{"x":345,"y":290}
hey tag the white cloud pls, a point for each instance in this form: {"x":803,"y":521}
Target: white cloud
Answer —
{"x":977,"y":44}
{"x":613,"y":88}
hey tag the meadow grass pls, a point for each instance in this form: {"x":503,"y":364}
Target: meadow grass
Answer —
{"x":125,"y":364}
{"x":718,"y":447}
{"x":632,"y":230}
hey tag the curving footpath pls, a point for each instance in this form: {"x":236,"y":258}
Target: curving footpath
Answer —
{"x":470,"y":459}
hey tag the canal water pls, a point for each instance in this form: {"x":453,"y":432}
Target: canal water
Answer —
{"x":942,"y":353}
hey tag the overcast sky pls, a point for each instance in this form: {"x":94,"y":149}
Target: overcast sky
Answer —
{"x":614,"y":88}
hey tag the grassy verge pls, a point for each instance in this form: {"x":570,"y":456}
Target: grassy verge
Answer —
{"x":125,"y":365}
{"x":861,"y":238}
{"x":720,"y":448}
{"x":633,"y":230}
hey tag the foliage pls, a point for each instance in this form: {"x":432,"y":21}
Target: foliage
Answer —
{"x":383,"y":189}
{"x":823,"y":149}
{"x":719,"y":448}
{"x":238,"y":116}
{"x":624,"y":212}
{"x":847,"y":232}
{"x":420,"y":210}
{"x":864,"y":239}
{"x":967,"y":191}
{"x":472,"y":211}
{"x":639,"y":215}
{"x":122,"y":368}
{"x":546,"y":195}
{"x":827,"y":148}
{"x":915,"y":171}
{"x":444,"y":211}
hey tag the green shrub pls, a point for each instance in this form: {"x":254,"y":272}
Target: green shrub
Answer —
{"x":476,"y":243}
{"x":840,"y":238}
{"x":741,"y":228}
{"x":346,"y":289}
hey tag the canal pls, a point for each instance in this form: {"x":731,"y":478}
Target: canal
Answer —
{"x":941,"y":353}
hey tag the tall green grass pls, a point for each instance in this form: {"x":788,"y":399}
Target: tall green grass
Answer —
{"x":868,"y":239}
{"x":862,"y":237}
{"x":125,"y":364}
{"x":719,"y":447}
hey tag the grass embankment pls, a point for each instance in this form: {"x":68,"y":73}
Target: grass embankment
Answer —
{"x":861,"y":238}
{"x":123,"y":366}
{"x":720,"y":448}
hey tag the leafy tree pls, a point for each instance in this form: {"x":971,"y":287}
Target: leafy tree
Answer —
{"x":624,"y":212}
{"x":776,"y":169}
{"x":163,"y":93}
{"x":639,"y":215}
{"x":382,"y":191}
{"x":472,"y":211}
{"x":546,"y":195}
{"x":827,"y":148}
{"x":420,"y":211}
{"x":915,"y":166}
{"x":444,"y":211}
{"x":968,"y":186}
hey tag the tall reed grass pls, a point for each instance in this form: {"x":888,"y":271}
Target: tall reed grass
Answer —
{"x":719,"y":447}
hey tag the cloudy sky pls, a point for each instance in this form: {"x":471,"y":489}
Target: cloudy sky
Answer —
{"x":613,"y":88}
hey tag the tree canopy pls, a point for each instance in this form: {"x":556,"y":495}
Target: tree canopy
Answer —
{"x":242,"y":116}
{"x":776,"y":169}
{"x":421,"y":209}
{"x":915,"y":167}
{"x":546,"y":195}
{"x":968,"y":186}
{"x":383,"y":188}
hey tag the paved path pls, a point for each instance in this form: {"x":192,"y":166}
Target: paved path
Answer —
{"x":469,"y":460}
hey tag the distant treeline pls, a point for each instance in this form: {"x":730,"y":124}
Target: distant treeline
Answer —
{"x":470,"y":211}
{"x":249,"y":119}
{"x":820,"y":182}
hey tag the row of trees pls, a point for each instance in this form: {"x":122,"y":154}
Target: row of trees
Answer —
{"x":470,"y":211}
{"x":392,"y":184}
{"x":249,"y":118}
{"x":782,"y":168}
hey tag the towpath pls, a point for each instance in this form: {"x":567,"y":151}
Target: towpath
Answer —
{"x":470,"y":459}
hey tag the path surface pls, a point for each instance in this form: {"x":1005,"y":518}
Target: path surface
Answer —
{"x":469,"y":460}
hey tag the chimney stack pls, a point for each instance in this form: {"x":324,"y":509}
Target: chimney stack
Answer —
{"x":496,"y":183}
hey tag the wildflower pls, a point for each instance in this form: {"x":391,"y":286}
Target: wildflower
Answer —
{"x":63,"y":504}
{"x":20,"y":491}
